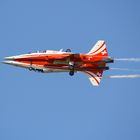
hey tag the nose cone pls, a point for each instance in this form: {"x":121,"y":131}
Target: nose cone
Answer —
{"x":16,"y":57}
{"x":16,"y":63}
{"x":9,"y":62}
{"x":10,"y":58}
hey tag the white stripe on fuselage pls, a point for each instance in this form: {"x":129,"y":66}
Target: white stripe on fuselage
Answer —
{"x":34,"y":55}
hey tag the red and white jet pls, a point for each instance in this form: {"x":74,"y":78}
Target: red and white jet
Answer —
{"x":92,"y":63}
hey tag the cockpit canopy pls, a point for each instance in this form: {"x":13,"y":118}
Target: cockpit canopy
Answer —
{"x":53,"y":51}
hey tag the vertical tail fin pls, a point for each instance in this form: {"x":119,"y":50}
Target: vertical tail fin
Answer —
{"x":99,"y":53}
{"x":99,"y":49}
{"x":95,"y":76}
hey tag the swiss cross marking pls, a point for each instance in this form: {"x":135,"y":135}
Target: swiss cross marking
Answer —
{"x":104,"y":52}
{"x":98,"y":74}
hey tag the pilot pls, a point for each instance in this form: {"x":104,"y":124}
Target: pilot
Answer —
{"x":44,"y":51}
{"x":68,"y":50}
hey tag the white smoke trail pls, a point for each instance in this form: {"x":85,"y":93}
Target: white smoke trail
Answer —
{"x":128,"y":59}
{"x":124,"y":76}
{"x":125,"y":69}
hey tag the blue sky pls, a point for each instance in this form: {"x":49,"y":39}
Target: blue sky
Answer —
{"x":57,"y":106}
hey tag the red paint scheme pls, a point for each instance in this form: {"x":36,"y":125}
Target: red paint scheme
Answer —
{"x":92,"y":63}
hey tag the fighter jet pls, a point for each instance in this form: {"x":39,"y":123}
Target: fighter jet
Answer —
{"x":93,"y":63}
